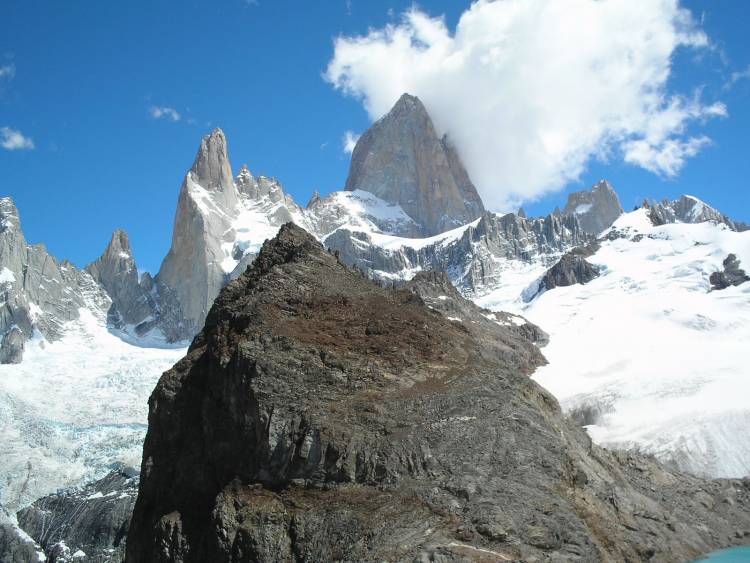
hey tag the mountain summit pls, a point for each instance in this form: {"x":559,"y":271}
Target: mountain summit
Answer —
{"x":191,"y":274}
{"x":596,"y":208}
{"x":402,"y":160}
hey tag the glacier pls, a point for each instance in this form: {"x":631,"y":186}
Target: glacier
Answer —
{"x":74,"y":408}
{"x":647,"y":355}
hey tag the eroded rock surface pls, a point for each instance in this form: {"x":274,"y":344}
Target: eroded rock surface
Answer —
{"x":319,"y":417}
{"x":89,"y":524}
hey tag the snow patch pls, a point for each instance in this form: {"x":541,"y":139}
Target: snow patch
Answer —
{"x":7,"y":276}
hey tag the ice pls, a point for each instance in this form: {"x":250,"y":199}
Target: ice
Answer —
{"x":73,"y":408}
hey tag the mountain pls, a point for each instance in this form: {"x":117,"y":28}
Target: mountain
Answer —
{"x":191,"y":274}
{"x":319,"y":416}
{"x":402,"y":160}
{"x":478,"y":256}
{"x":596,"y":209}
{"x":687,"y":209}
{"x":39,"y":294}
{"x":92,"y":342}
{"x":219,"y":220}
{"x":133,"y":303}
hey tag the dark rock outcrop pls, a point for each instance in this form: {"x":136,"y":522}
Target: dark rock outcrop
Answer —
{"x":571,"y":269}
{"x":92,"y":521}
{"x":438,"y":292}
{"x":320,"y":417}
{"x":15,"y":545}
{"x":731,"y":275}
{"x":12,"y":346}
{"x":596,"y":209}
{"x":402,"y":160}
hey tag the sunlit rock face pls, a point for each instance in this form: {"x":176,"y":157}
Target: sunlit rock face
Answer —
{"x":402,"y":160}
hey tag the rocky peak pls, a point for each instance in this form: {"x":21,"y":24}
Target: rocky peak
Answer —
{"x":686,"y":209}
{"x":9,"y":218}
{"x":597,"y":208}
{"x":314,"y":200}
{"x":119,"y":246}
{"x":402,"y":160}
{"x":116,"y":271}
{"x":211,"y":166}
{"x":244,"y":179}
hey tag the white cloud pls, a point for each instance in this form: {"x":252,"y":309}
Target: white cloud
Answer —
{"x":164,"y":112}
{"x":8,"y":71}
{"x":666,"y":159}
{"x":739,"y":75}
{"x":531,"y":90}
{"x":348,"y":141}
{"x":13,"y":140}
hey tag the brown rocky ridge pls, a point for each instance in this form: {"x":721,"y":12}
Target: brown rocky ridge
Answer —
{"x":321,"y":417}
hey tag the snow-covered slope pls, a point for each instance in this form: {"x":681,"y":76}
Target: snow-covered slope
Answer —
{"x":74,"y":407}
{"x":646,"y":354}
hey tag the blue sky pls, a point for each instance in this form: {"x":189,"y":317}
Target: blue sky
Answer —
{"x":82,"y":78}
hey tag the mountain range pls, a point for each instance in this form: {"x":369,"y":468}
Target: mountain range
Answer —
{"x":627,"y":300}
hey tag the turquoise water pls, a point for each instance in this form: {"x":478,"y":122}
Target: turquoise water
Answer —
{"x":734,"y":555}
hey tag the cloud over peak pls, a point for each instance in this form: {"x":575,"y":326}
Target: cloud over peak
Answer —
{"x":531,"y":90}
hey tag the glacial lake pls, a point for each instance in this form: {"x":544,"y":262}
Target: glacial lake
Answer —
{"x":733,"y":555}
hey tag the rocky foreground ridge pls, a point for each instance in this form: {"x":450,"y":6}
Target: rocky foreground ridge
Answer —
{"x":319,"y":416}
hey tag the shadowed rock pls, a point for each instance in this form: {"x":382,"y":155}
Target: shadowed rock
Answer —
{"x":12,"y":346}
{"x":93,"y":520}
{"x":571,"y":269}
{"x":731,"y":275}
{"x":321,"y":417}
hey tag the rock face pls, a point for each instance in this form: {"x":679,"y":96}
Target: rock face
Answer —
{"x":571,"y":269}
{"x":402,"y":160}
{"x":117,"y":273}
{"x":191,"y":275}
{"x":596,"y":209}
{"x":732,"y":274}
{"x":319,"y":417}
{"x":92,"y":521}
